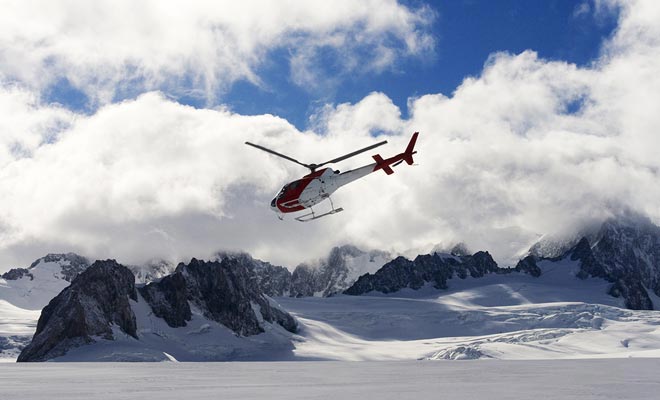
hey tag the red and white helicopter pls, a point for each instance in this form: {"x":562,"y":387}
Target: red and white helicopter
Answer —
{"x":318,"y":185}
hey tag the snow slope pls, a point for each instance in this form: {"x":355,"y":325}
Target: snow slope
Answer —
{"x":34,"y":294}
{"x":513,"y":316}
{"x":21,"y":301}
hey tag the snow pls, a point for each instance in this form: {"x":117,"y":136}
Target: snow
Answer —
{"x":491,"y":379}
{"x":16,"y":328}
{"x":21,"y":302}
{"x":508,"y":317}
{"x":365,"y":263}
{"x":512,"y":316}
{"x":34,"y":294}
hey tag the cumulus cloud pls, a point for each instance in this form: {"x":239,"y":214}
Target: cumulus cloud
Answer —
{"x":119,"y":48}
{"x":26,"y":123}
{"x":529,"y":147}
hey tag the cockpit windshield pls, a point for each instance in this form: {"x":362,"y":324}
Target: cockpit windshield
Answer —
{"x":289,"y":187}
{"x":286,"y":189}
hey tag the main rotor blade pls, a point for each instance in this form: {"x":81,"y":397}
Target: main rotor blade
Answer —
{"x":355,"y":153}
{"x":277,"y":154}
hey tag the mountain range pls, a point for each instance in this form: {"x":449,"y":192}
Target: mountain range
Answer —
{"x":223,"y":309}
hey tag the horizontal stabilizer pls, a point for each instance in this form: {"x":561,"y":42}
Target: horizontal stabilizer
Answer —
{"x":382,"y":164}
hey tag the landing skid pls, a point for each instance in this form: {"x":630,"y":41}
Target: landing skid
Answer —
{"x":311,"y":216}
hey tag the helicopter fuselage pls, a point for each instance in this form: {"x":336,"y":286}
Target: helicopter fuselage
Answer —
{"x":313,"y":188}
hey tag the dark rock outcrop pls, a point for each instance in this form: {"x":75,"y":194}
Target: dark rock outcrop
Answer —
{"x":17,"y":273}
{"x":97,"y":299}
{"x":633,"y":293}
{"x":628,"y":283}
{"x":168,"y":299}
{"x":305,"y":281}
{"x":274,"y":281}
{"x":589,"y":265}
{"x":225,"y":291}
{"x":528,"y":266}
{"x":433,"y":268}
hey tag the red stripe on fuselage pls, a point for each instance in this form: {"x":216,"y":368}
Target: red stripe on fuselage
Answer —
{"x":288,"y":201}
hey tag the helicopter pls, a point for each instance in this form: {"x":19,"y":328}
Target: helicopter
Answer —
{"x":319,"y":184}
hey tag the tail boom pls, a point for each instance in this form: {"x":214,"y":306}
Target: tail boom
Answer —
{"x":406,"y":156}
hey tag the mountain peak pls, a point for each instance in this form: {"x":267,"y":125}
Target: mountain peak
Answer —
{"x":69,"y":264}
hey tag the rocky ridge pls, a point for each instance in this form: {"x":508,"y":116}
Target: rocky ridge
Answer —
{"x":435,"y":268}
{"x":225,"y":291}
{"x":100,"y":303}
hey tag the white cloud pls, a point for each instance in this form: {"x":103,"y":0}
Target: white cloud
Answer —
{"x":529,"y":147}
{"x":26,"y":124}
{"x":105,"y":47}
{"x":582,"y":9}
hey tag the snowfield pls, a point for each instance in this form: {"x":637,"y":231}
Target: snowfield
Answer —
{"x":483,"y":379}
{"x":513,"y":317}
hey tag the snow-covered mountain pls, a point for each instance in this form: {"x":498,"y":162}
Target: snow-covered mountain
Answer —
{"x":574,"y":304}
{"x":337,"y":272}
{"x":33,"y":287}
{"x":325,"y":277}
{"x":189,"y":315}
{"x":623,"y":251}
{"x":25,"y":291}
{"x":498,"y":315}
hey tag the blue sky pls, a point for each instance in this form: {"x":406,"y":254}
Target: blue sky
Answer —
{"x":466,"y":32}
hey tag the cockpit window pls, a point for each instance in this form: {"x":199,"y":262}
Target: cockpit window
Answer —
{"x":291,"y":186}
{"x":288,"y":187}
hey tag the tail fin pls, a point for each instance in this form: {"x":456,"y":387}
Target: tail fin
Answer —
{"x":408,"y":154}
